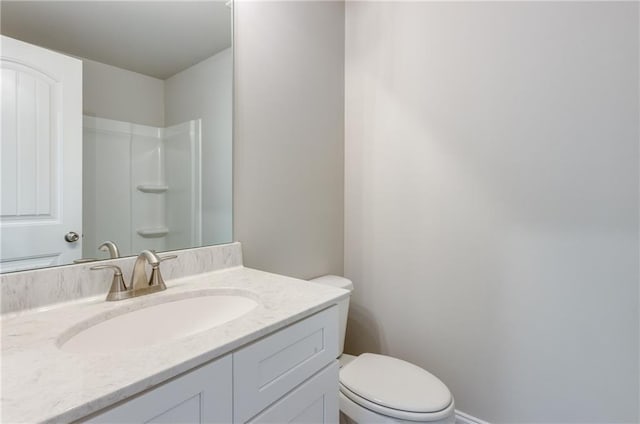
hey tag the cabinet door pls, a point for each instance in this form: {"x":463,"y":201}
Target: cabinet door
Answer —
{"x":314,"y":401}
{"x":203,"y":395}
{"x":266,"y":370}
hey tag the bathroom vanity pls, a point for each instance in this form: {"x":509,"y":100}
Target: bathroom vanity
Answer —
{"x":288,"y":376}
{"x":274,"y":363}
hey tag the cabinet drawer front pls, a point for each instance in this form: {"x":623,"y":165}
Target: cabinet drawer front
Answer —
{"x":315,"y":401}
{"x":269,"y":368}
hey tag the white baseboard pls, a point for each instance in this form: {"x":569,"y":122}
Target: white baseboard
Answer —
{"x":462,"y":418}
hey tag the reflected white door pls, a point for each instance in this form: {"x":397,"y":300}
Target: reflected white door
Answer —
{"x":40,"y":157}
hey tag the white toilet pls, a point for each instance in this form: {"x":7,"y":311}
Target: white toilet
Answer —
{"x":381,"y":389}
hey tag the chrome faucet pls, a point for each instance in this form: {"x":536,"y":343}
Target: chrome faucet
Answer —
{"x":111,"y":247}
{"x":140,"y":284}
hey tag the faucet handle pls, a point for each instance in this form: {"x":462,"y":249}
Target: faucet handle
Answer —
{"x":85,"y":260}
{"x":118,"y":287}
{"x":156,"y":277}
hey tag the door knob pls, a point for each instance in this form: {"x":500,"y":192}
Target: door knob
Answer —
{"x":72,"y":237}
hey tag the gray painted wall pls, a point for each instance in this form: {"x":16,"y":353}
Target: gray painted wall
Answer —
{"x":492,"y":201}
{"x":115,"y":93}
{"x":205,"y":91}
{"x":289,"y":136}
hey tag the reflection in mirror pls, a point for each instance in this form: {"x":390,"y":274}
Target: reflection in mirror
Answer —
{"x":116,"y":127}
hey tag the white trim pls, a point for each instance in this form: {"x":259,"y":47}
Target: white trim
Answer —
{"x":462,"y":418}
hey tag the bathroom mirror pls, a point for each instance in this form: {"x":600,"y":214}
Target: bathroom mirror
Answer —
{"x":116,"y":126}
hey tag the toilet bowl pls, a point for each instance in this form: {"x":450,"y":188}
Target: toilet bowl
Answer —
{"x":382,"y":389}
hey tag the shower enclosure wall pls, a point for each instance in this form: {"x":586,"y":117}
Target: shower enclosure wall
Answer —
{"x":141,"y":186}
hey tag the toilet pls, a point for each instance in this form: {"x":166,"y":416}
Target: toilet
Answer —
{"x":381,"y":389}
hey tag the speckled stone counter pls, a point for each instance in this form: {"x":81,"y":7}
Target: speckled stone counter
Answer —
{"x":42,"y":383}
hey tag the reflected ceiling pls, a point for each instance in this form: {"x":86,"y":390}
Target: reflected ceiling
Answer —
{"x":146,"y":39}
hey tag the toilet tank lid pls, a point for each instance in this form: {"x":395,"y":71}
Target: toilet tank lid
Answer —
{"x":335,"y":281}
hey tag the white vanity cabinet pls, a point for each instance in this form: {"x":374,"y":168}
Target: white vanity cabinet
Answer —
{"x":199,"y":396}
{"x":287,"y":376}
{"x":315,"y":401}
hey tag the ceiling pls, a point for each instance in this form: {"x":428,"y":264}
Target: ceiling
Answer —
{"x":155,"y":38}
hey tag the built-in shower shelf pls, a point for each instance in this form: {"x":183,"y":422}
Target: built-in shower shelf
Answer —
{"x":152,"y":188}
{"x":153,"y":232}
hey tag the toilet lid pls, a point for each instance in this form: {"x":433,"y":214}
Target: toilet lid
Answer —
{"x":394,"y":383}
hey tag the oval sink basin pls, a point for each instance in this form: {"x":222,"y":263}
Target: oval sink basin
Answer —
{"x":163,"y":322}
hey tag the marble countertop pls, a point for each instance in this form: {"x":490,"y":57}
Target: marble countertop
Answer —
{"x":42,"y":383}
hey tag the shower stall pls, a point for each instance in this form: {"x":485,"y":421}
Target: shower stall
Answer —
{"x":142,"y":186}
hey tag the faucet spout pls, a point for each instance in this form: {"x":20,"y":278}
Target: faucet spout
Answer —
{"x":139,"y":278}
{"x":111,"y":247}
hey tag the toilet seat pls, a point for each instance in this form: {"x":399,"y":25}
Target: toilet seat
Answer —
{"x":363,"y":411}
{"x":395,"y":388}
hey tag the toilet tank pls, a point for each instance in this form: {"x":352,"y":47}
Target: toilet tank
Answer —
{"x":343,"y":305}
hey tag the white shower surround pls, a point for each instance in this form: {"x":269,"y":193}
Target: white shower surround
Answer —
{"x":149,"y":185}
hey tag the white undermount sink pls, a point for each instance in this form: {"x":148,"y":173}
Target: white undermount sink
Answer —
{"x":171,"y":319}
